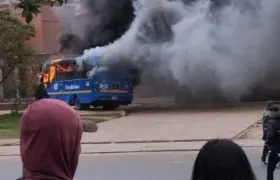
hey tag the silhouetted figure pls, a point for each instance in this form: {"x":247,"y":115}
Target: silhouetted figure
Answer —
{"x":41,"y":92}
{"x":222,"y":160}
{"x":273,"y":142}
{"x":270,"y":111}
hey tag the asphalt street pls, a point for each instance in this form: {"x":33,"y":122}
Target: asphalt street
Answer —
{"x":146,"y":166}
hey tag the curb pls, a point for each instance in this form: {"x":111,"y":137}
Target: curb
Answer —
{"x":137,"y":151}
{"x":129,"y":142}
{"x":245,"y":131}
{"x":154,"y":151}
{"x":195,"y":105}
{"x":120,"y":112}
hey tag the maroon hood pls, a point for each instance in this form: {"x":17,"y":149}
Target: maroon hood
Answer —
{"x":50,"y":139}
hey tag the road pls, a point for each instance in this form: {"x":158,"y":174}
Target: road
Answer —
{"x":149,"y":166}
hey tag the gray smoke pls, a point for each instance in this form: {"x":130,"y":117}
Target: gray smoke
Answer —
{"x":71,"y":44}
{"x":101,"y":23}
{"x":229,"y":49}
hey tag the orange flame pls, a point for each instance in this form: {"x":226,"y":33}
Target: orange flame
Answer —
{"x":53,"y":68}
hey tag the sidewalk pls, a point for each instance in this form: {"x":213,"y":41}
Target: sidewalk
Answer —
{"x":168,"y":130}
{"x":175,"y":126}
{"x":137,"y":147}
{"x":171,"y":126}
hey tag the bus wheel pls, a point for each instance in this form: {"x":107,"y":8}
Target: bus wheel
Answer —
{"x":110,"y":106}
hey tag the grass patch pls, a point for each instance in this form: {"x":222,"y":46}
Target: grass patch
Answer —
{"x":9,"y":125}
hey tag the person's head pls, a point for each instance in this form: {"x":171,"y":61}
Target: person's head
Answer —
{"x":273,"y":108}
{"x":41,"y":80}
{"x":222,"y":159}
{"x":50,"y":136}
{"x":269,"y":103}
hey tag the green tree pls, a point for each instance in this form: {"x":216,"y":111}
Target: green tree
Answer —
{"x":14,"y":51}
{"x":31,"y":8}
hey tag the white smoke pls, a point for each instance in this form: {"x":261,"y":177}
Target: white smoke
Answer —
{"x":230,"y":50}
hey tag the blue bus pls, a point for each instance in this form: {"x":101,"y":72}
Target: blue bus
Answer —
{"x":107,"y":88}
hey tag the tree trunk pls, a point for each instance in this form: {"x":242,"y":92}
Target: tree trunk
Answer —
{"x":17,"y":90}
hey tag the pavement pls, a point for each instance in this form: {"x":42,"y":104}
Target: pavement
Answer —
{"x":148,"y":166}
{"x":175,"y":125}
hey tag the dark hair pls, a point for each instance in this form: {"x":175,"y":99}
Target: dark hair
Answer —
{"x":42,"y":80}
{"x":273,"y":108}
{"x":270,"y":103}
{"x":222,"y":159}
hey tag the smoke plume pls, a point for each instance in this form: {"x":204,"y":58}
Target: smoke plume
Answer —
{"x":101,"y":23}
{"x":212,"y":48}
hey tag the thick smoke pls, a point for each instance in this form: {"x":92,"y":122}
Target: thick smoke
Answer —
{"x":71,"y":44}
{"x":102,"y":22}
{"x":228,"y":49}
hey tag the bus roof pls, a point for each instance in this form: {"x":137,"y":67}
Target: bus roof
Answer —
{"x":70,"y":60}
{"x":92,"y":60}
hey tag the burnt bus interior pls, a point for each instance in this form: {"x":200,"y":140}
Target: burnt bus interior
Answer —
{"x":61,"y":70}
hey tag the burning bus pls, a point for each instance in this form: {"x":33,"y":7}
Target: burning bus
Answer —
{"x":95,"y":86}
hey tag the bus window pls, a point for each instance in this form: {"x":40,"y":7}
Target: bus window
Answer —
{"x":64,"y":72}
{"x":60,"y":70}
{"x":64,"y":76}
{"x":81,"y":75}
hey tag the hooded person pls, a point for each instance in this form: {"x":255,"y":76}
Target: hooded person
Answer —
{"x":50,"y":137}
{"x":273,"y":142}
{"x":270,"y":111}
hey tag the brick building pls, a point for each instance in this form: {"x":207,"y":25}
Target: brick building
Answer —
{"x":45,"y":43}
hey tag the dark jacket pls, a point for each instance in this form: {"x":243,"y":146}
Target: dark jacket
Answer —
{"x":41,"y":92}
{"x":265,"y":120}
{"x":273,"y":133}
{"x":271,"y":110}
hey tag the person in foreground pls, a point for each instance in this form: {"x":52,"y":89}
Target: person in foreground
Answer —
{"x":50,"y":136}
{"x":270,"y":111}
{"x":273,"y":142}
{"x":222,"y":159}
